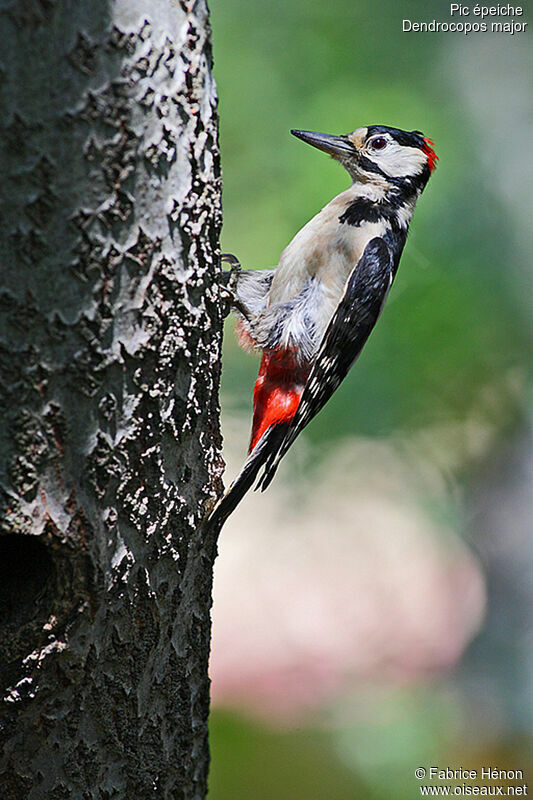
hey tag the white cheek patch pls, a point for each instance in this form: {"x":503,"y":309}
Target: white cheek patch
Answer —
{"x":398,"y":161}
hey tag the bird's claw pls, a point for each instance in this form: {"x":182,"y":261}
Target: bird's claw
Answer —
{"x":231,"y":277}
{"x":229,"y":282}
{"x":229,"y":258}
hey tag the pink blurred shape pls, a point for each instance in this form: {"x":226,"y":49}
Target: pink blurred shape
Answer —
{"x":350,"y":577}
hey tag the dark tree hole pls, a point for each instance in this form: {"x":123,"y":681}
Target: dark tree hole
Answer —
{"x":26,"y":569}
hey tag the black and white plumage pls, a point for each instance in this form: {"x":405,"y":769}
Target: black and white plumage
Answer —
{"x":312,"y":315}
{"x":348,"y":331}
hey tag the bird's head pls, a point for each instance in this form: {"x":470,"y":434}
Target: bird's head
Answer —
{"x":379,"y":154}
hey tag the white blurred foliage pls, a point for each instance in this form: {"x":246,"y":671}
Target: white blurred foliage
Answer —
{"x":351,"y":573}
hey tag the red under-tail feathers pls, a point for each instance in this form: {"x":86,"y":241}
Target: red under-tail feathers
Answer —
{"x":277,"y":394}
{"x":277,"y":391}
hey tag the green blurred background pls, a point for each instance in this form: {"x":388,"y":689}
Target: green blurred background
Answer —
{"x":446,"y":374}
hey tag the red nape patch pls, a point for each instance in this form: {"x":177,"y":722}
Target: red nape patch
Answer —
{"x":431,"y":154}
{"x":277,"y":391}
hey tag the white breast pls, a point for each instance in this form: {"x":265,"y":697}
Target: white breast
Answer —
{"x":324,"y":249}
{"x":324,"y":252}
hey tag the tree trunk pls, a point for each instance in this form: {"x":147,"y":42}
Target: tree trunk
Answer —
{"x":109,"y":351}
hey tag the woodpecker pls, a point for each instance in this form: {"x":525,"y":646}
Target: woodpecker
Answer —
{"x":313,"y":313}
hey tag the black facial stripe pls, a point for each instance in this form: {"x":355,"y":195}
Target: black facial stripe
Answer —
{"x":408,"y":185}
{"x":370,"y":166}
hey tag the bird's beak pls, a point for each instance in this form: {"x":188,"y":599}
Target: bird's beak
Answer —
{"x":334,"y":145}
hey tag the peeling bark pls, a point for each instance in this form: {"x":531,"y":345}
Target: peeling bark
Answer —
{"x":109,"y":349}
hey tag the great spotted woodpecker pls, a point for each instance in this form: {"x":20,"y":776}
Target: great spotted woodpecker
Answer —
{"x":313,"y":313}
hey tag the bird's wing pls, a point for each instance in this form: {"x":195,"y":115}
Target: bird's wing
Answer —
{"x":358,"y":311}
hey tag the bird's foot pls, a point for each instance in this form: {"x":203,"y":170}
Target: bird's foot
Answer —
{"x":228,"y":285}
{"x":231,"y":276}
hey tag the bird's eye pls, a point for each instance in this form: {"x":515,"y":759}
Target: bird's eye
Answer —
{"x":378,"y":143}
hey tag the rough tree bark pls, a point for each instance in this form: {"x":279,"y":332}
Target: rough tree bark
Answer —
{"x":109,"y":352}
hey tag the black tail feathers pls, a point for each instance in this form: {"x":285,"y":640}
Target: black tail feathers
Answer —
{"x":263,"y":453}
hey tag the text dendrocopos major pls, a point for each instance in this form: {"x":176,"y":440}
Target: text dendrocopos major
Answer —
{"x":312,"y":314}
